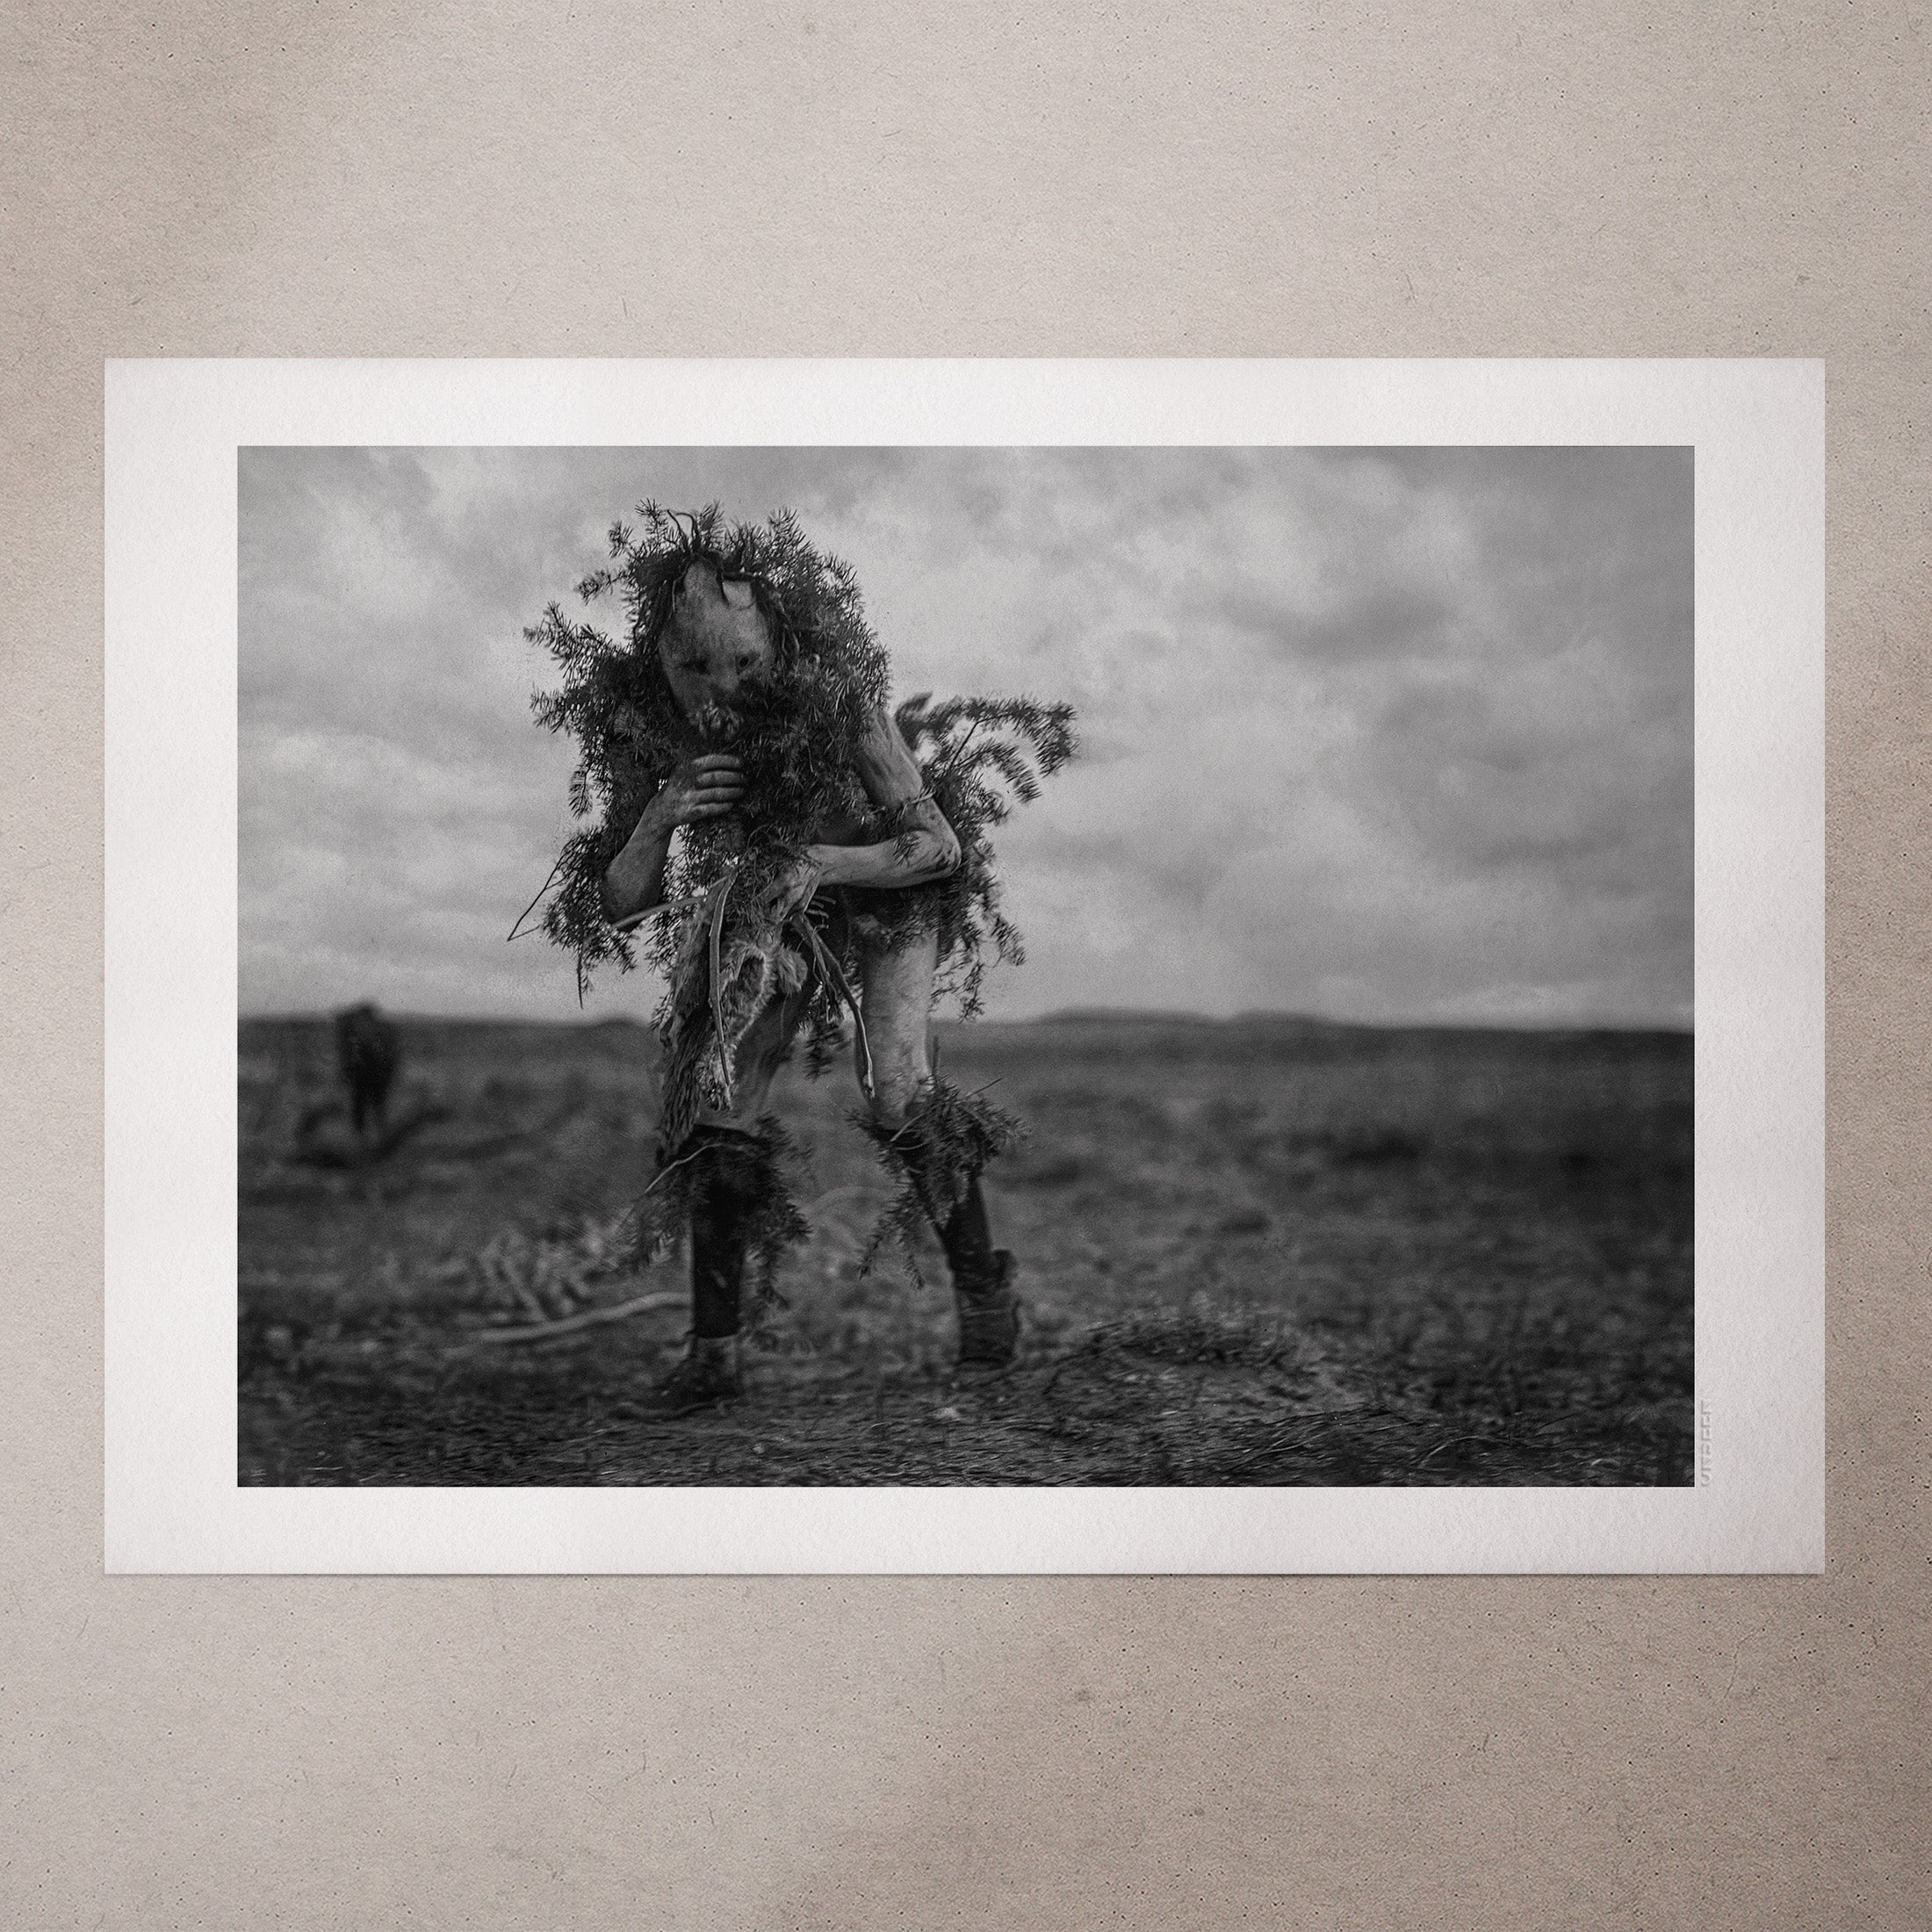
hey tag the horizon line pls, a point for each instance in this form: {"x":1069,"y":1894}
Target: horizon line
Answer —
{"x":1061,"y":1015}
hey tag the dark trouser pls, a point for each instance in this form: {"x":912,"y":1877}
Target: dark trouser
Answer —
{"x":724,"y":1192}
{"x":967,"y":1240}
{"x":722,"y":1196}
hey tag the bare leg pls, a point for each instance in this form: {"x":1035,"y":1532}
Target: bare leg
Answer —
{"x":896,"y":1000}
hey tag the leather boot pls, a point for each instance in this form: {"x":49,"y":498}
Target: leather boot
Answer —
{"x":983,"y":1275}
{"x":708,"y":1375}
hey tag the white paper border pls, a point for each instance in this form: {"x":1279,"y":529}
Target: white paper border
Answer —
{"x":172,"y":433}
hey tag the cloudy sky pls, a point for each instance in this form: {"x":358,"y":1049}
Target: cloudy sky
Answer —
{"x":1369,"y":734}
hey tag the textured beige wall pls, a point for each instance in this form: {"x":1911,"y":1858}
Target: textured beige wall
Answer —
{"x":616,"y":180}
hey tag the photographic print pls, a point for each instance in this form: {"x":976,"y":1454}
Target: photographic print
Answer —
{"x":975,"y":966}
{"x":935,"y":967}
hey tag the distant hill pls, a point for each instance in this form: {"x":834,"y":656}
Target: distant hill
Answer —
{"x":1157,"y":1016}
{"x":1283,"y":1024}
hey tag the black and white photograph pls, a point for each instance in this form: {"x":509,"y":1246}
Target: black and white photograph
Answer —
{"x":856,"y":967}
{"x":951,"y":985}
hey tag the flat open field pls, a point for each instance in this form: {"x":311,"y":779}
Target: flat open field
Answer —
{"x":1259,"y":1250}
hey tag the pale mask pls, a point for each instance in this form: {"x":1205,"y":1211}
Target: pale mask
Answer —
{"x":716,"y":646}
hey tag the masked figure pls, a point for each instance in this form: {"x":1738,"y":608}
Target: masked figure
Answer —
{"x":831,"y":871}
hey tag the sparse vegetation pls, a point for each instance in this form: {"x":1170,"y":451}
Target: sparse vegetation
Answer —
{"x":1261,"y":1252}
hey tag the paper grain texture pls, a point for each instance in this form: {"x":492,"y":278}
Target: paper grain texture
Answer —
{"x":324,"y":1753}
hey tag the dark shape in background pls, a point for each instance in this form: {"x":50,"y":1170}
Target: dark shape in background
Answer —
{"x":368,"y":1049}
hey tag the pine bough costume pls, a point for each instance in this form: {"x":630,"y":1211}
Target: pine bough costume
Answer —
{"x":754,"y":959}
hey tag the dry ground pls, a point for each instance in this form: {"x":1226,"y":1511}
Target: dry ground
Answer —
{"x":1255,"y":1251}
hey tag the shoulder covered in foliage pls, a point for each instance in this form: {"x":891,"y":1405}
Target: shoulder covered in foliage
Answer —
{"x":796,"y":739}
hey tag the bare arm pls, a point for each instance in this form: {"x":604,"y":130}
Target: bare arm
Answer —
{"x":702,"y":787}
{"x":710,"y":786}
{"x":928,"y":849}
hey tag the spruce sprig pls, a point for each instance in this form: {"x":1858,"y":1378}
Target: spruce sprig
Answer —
{"x":796,"y":738}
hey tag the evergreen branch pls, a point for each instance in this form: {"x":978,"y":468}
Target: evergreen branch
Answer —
{"x":541,"y":890}
{"x":721,"y":895}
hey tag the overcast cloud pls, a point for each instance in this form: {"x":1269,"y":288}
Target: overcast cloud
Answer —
{"x":1374,"y":735}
